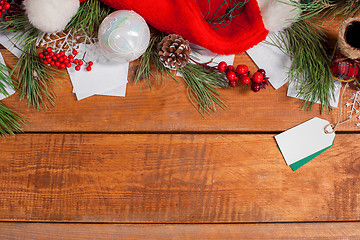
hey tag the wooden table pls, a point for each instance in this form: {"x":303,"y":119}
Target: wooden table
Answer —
{"x":148,"y":166}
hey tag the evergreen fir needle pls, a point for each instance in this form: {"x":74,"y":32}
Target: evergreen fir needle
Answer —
{"x":10,"y":121}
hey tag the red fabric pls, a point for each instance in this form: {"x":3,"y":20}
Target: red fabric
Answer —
{"x":184,"y":17}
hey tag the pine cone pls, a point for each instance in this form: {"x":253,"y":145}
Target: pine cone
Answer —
{"x":174,"y":51}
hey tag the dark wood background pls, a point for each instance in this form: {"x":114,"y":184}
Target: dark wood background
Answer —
{"x":148,"y":166}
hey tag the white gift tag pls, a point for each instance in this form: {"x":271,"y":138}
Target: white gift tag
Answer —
{"x":305,"y":140}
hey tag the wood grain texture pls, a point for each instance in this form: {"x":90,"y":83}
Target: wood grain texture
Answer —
{"x":173,"y":179}
{"x":309,"y":231}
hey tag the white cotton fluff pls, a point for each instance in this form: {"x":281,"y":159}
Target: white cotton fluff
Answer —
{"x":277,"y":14}
{"x":50,"y":15}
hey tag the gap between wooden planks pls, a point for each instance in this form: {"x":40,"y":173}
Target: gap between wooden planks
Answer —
{"x":173,"y":178}
{"x":347,"y":230}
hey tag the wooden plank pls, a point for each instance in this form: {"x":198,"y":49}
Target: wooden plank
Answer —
{"x":167,"y":108}
{"x":341,"y":230}
{"x":173,"y":179}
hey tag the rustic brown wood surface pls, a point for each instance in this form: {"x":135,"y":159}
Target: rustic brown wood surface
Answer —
{"x":312,"y":231}
{"x":173,"y":178}
{"x":104,"y":165}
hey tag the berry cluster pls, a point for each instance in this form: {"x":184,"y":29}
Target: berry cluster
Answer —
{"x":62,"y":61}
{"x":7,"y":8}
{"x":242,"y":73}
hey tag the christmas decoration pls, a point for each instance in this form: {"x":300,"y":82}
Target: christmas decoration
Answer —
{"x":50,"y":15}
{"x":66,"y":41}
{"x":174,"y":51}
{"x":242,"y":24}
{"x":123,"y":36}
{"x":220,"y":25}
{"x":10,"y":121}
{"x":61,"y":60}
{"x":345,"y":66}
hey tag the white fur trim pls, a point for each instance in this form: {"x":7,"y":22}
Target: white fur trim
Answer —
{"x":276,"y":14}
{"x":50,"y":15}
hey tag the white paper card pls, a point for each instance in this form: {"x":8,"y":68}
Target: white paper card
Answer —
{"x":117,"y":92}
{"x":9,"y":90}
{"x":104,"y":78}
{"x":304,"y":140}
{"x":4,"y":40}
{"x":274,"y":61}
{"x":334,"y":102}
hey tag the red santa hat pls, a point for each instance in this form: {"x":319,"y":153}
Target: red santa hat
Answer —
{"x":251,"y":25}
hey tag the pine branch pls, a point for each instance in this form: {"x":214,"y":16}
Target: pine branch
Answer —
{"x":151,"y":56}
{"x":202,"y":83}
{"x":305,"y":43}
{"x":202,"y":88}
{"x":89,"y":17}
{"x":33,"y":76}
{"x":321,"y":10}
{"x":10,"y":121}
{"x":5,"y":79}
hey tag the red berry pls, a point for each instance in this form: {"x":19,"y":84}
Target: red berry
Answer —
{"x":66,"y":61}
{"x":221,"y":67}
{"x":77,"y":68}
{"x":68,"y":65}
{"x":81,"y":62}
{"x":76,"y":61}
{"x":57,"y":63}
{"x":230,"y":68}
{"x":236,"y":78}
{"x":255,"y":87}
{"x":41,"y":55}
{"x":232,"y":83}
{"x":62,"y":53}
{"x":61,"y":59}
{"x":74,"y":52}
{"x":70,"y":56}
{"x":54,"y":58}
{"x":49,"y":49}
{"x":262,"y":71}
{"x":90,"y":63}
{"x":62,"y":65}
{"x":71,"y":60}
{"x":52,"y":63}
{"x":46,"y":62}
{"x":58,"y":55}
{"x":245,"y":80}
{"x":242,"y":69}
{"x":257,"y":77}
{"x":230,"y":75}
{"x":7,"y":5}
{"x":88,"y":68}
{"x":52,"y":54}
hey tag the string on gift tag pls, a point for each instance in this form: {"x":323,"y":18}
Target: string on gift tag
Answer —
{"x":333,"y":127}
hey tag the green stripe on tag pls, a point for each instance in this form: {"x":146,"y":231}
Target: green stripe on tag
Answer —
{"x":302,"y":162}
